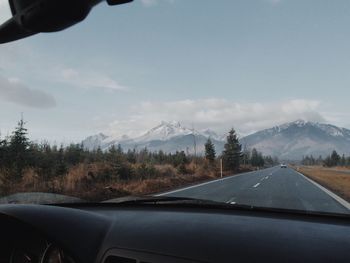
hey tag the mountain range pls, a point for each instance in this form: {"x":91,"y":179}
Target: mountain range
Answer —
{"x":299,"y":138}
{"x":289,"y":141}
{"x":167,"y":136}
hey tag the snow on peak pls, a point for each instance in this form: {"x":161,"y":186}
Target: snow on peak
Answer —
{"x":100,"y":136}
{"x":94,"y":141}
{"x":165,"y":131}
{"x":329,"y":129}
{"x":333,"y":130}
{"x":171,"y":123}
{"x":298,"y":123}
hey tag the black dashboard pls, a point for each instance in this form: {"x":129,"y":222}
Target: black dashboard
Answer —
{"x":155,"y":233}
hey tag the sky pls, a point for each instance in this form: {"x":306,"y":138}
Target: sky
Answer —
{"x":247,"y":64}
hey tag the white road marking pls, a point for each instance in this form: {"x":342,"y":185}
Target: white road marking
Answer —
{"x":255,"y":186}
{"x":232,"y":203}
{"x":210,"y":182}
{"x":206,"y":183}
{"x":331,"y":194}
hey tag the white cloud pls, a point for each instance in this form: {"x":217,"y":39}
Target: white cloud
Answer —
{"x":217,"y":114}
{"x":12,"y":90}
{"x":89,"y":80}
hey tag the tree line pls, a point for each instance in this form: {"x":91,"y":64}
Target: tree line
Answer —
{"x":234,"y":157}
{"x":18,"y":154}
{"x":332,"y":160}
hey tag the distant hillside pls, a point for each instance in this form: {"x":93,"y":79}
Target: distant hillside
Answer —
{"x":295,"y":139}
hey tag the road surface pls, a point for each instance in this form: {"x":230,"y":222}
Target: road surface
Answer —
{"x":273,"y":187}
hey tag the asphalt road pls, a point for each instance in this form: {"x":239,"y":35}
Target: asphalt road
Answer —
{"x":273,"y":187}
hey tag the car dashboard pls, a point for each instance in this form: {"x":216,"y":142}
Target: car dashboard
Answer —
{"x":110,"y":233}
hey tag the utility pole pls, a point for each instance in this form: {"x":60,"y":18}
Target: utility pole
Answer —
{"x":221,"y":167}
{"x":245,"y":154}
{"x":195,"y":147}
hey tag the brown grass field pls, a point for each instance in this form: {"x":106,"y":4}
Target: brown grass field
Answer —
{"x":336,"y":179}
{"x":78,"y":183}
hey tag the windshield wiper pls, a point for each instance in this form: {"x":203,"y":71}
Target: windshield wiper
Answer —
{"x":176,"y":201}
{"x":159,"y":200}
{"x":131,"y":201}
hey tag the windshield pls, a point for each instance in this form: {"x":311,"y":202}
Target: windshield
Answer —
{"x":238,"y":102}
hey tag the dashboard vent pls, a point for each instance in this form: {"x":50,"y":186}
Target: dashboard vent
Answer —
{"x":116,"y":259}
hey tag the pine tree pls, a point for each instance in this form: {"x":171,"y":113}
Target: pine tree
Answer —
{"x":18,"y":149}
{"x":232,"y":152}
{"x":261,"y":161}
{"x":210,"y":153}
{"x":99,"y":154}
{"x":335,"y":158}
{"x":74,"y":154}
{"x":161,"y":157}
{"x":131,"y":156}
{"x":119,"y":149}
{"x":255,"y":158}
{"x":332,"y":160}
{"x":61,"y":167}
{"x":3,"y":153}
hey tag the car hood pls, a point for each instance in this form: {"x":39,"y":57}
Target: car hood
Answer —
{"x":38,"y":198}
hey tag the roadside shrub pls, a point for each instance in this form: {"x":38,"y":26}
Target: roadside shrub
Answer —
{"x":146,"y":171}
{"x":165,"y":170}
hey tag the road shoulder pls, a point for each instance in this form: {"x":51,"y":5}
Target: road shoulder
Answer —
{"x":336,"y":197}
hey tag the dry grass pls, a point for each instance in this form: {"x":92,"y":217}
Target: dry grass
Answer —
{"x":83,"y":180}
{"x":335,"y":179}
{"x":157,"y":185}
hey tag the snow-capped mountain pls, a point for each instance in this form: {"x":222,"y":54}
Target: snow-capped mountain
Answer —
{"x":164,"y":131}
{"x":94,"y":141}
{"x":167,"y":136}
{"x":329,"y":129}
{"x":295,"y":139}
{"x":287,"y":141}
